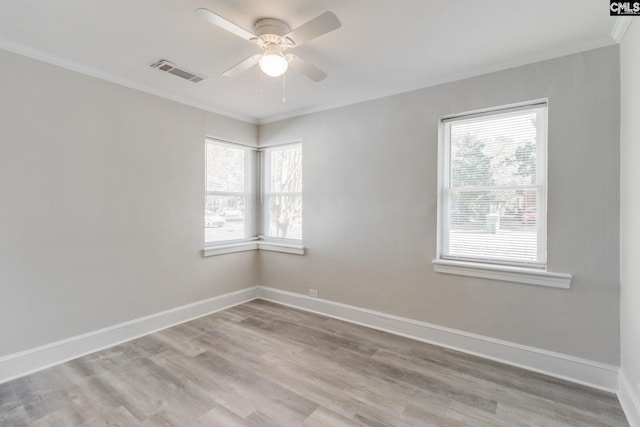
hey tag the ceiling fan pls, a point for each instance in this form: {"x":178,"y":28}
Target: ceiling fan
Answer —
{"x":274,"y":37}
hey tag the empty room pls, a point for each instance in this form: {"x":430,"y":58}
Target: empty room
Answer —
{"x":319,"y":213}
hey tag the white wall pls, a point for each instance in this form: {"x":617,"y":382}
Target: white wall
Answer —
{"x":370,"y":189}
{"x":101,"y":192}
{"x":630,"y":208}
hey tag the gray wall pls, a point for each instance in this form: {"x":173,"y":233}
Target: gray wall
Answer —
{"x":630,"y":206}
{"x":370,"y":208}
{"x":101,"y":189}
{"x":102,"y":194}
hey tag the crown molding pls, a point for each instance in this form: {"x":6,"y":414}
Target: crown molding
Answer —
{"x":446,"y":78}
{"x":620,"y":28}
{"x":93,"y":72}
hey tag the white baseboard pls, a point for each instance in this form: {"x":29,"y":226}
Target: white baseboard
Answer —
{"x":629,"y":401}
{"x":559,"y":365}
{"x":32,"y":360}
{"x":575,"y":369}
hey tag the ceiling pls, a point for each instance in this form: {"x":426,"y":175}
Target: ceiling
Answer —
{"x":382,"y":48}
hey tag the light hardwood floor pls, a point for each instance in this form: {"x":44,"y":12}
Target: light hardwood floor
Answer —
{"x":262,"y":364}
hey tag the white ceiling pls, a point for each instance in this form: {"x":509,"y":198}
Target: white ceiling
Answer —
{"x":384,"y":46}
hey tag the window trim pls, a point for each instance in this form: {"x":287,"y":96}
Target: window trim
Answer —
{"x":250,"y":185}
{"x":253,"y":245}
{"x":524,"y":275}
{"x":254,"y":211}
{"x":518,"y":272}
{"x":265,"y":195}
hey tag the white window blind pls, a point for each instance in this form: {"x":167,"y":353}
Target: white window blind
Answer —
{"x":229,"y":202}
{"x":493,"y":187}
{"x":282,"y":192}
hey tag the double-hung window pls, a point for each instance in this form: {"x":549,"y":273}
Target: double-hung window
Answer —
{"x":493,"y":191}
{"x":282,"y":192}
{"x":246,"y":209}
{"x":229,"y":213}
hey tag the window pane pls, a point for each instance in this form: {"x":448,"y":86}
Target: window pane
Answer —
{"x":225,"y":168}
{"x":224,"y":218}
{"x":283,"y":188}
{"x":285,"y":216}
{"x":494,"y":225}
{"x":495,"y":187}
{"x":494,"y":151}
{"x":285,"y":170}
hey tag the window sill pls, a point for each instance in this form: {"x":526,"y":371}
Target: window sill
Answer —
{"x":230,"y":248}
{"x":252,"y":246}
{"x":281,"y":247}
{"x":527,"y":276}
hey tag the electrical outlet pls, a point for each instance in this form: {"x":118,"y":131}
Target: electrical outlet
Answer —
{"x":313,"y":293}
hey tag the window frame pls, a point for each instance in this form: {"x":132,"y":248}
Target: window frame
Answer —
{"x":266,"y":194}
{"x":250,"y":231}
{"x":254,"y":209}
{"x":498,"y":269}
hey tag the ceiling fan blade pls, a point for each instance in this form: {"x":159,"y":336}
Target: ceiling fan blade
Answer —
{"x":243,"y":66}
{"x":303,"y":67}
{"x":321,"y":24}
{"x":224,"y":23}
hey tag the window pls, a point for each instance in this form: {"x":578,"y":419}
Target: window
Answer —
{"x":493,"y":183}
{"x":494,"y":187}
{"x":236,"y":216}
{"x":230,"y":198}
{"x":282,"y":198}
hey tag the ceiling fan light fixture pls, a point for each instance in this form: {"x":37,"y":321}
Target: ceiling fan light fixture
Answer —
{"x":273,"y":63}
{"x":274,"y":37}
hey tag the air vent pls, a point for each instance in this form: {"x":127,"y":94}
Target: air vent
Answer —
{"x":171,"y":68}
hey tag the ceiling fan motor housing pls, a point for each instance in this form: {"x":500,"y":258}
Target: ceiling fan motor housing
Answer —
{"x":271,"y":31}
{"x":267,"y":26}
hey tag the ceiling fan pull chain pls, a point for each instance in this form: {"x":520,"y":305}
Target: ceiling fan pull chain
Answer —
{"x":284,"y":87}
{"x":260,"y":78}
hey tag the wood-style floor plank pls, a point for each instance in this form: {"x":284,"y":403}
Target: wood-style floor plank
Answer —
{"x":263,"y":364}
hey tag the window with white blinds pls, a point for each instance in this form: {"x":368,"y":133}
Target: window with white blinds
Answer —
{"x":493,"y":187}
{"x":229,"y":213}
{"x":253,"y":197}
{"x":282,"y":191}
